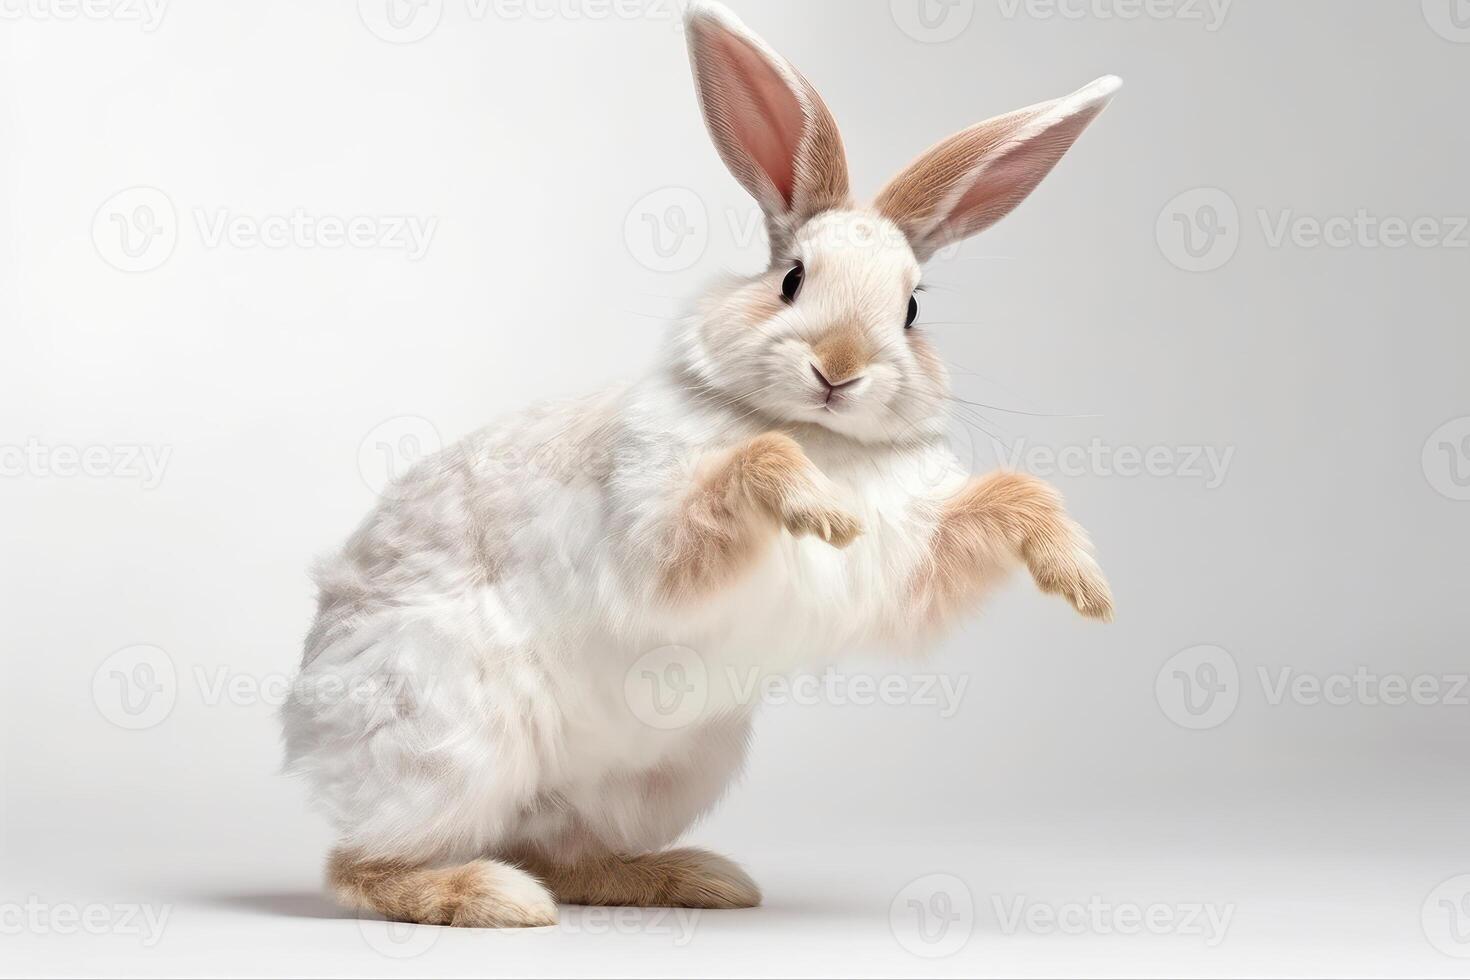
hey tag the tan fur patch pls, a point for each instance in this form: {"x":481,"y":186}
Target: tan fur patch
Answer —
{"x":822,"y":179}
{"x":843,"y":354}
{"x":685,"y":878}
{"x":991,"y":525}
{"x":735,"y":508}
{"x":481,"y":894}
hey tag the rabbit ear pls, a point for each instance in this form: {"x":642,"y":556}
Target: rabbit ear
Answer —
{"x":976,"y":177}
{"x":771,"y":127}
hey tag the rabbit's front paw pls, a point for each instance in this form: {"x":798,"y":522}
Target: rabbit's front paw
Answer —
{"x":1067,"y":568}
{"x":832,"y":524}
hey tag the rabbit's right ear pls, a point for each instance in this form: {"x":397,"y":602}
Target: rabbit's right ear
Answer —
{"x":771,"y":127}
{"x":970,"y":181}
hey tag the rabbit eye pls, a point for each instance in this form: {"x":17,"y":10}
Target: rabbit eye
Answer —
{"x":791,"y":285}
{"x":913,"y":312}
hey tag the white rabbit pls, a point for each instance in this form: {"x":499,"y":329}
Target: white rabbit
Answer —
{"x":481,"y":710}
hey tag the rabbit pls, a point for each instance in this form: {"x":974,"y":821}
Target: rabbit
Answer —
{"x":470,"y":712}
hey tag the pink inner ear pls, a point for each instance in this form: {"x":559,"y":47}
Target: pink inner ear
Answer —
{"x":764,"y":119}
{"x":1012,"y":173}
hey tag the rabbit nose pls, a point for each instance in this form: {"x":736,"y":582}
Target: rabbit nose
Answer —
{"x":840,"y":357}
{"x":837,"y":386}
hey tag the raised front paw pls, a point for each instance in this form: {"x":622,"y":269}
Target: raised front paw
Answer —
{"x":832,"y":524}
{"x":1064,"y":566}
{"x":779,"y":476}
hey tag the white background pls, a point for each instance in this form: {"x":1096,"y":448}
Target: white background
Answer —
{"x":544,"y":141}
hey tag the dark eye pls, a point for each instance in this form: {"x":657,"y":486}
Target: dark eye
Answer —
{"x":791,"y":285}
{"x":913,"y":312}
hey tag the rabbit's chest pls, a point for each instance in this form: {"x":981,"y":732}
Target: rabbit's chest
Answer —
{"x":814,"y":600}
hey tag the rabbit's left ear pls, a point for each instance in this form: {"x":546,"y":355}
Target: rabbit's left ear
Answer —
{"x":976,"y":177}
{"x":771,"y":127}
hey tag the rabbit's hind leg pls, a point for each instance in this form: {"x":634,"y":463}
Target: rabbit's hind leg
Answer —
{"x":682,"y":878}
{"x":479,"y":894}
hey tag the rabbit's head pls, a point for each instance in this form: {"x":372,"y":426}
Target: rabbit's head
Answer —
{"x":830,"y":333}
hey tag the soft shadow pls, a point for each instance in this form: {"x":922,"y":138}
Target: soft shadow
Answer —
{"x":294,"y":905}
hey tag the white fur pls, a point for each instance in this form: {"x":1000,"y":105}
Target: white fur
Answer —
{"x":484,"y":619}
{"x":501,"y":595}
